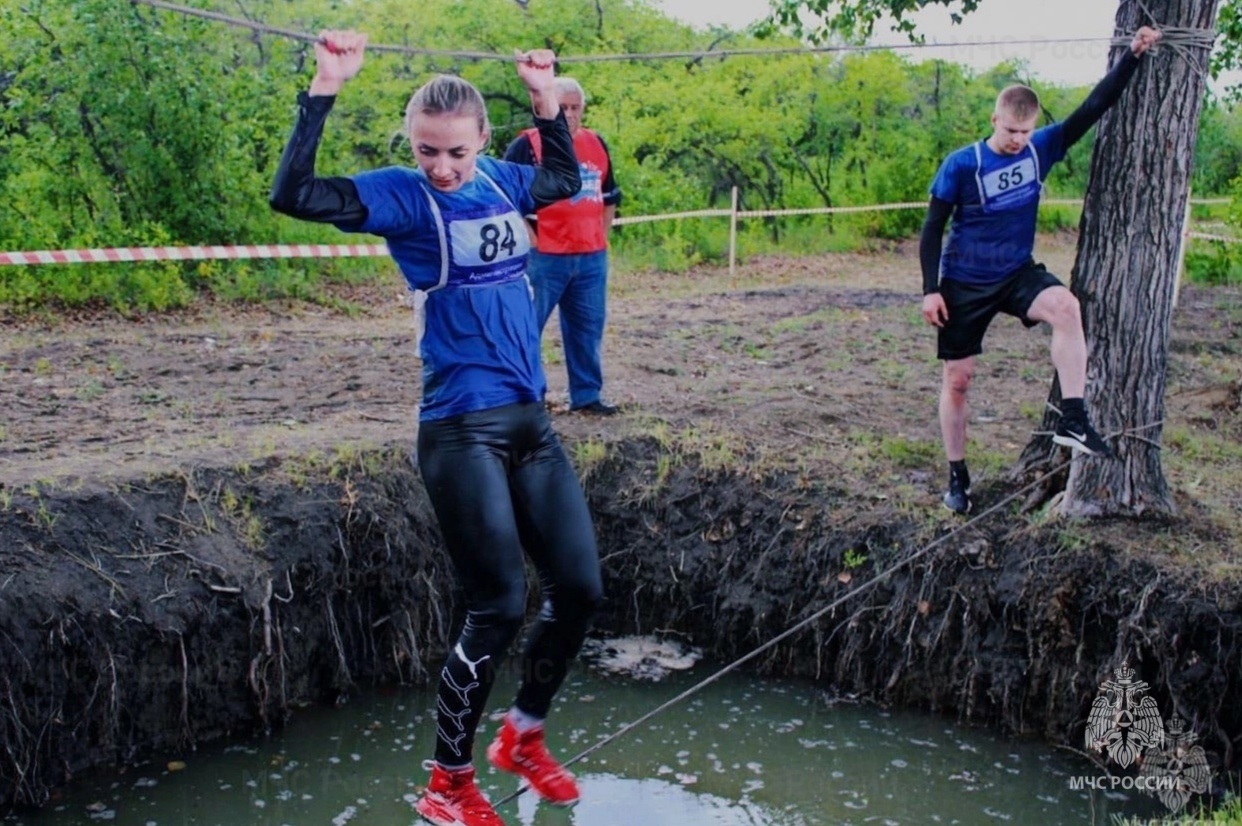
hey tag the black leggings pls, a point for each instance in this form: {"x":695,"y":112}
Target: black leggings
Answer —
{"x":500,"y":482}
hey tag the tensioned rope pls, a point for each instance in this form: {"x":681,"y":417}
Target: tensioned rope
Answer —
{"x":789,"y":632}
{"x":800,"y":625}
{"x":1179,"y":39}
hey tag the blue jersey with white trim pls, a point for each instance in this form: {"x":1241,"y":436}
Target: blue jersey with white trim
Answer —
{"x":464,"y":254}
{"x":996,"y":200}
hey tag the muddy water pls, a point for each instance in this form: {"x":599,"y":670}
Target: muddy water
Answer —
{"x":741,"y":752}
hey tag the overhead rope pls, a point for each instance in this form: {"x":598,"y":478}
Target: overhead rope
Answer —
{"x":1177,"y":38}
{"x":1181,"y":39}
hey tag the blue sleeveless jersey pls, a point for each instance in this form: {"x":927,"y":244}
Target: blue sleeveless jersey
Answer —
{"x":996,"y":199}
{"x":464,"y":256}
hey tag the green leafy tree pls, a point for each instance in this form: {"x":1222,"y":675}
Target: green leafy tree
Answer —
{"x":166,"y":129}
{"x":127,"y":127}
{"x":1124,"y":279}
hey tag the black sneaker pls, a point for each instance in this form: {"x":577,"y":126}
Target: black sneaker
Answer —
{"x":1079,"y":435}
{"x":596,"y":408}
{"x":957,"y":497}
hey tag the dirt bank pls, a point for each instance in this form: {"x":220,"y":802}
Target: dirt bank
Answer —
{"x":146,"y":619}
{"x":208,"y":521}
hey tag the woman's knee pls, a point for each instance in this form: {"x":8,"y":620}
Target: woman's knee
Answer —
{"x":502,"y":616}
{"x":589,"y":596}
{"x":576,"y":600}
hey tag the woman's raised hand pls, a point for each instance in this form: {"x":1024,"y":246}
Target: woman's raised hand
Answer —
{"x":537,"y":69}
{"x":338,"y":57}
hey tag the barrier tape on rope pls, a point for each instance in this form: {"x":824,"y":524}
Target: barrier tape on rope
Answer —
{"x":112,"y":255}
{"x":696,"y":213}
{"x":766,"y":213}
{"x":1207,"y":236}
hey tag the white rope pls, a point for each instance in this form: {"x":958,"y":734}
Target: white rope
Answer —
{"x":1176,"y":38}
{"x":1181,"y":39}
{"x":801,"y":624}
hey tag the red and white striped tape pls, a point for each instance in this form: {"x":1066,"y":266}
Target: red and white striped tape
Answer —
{"x":1207,"y":236}
{"x":117,"y":254}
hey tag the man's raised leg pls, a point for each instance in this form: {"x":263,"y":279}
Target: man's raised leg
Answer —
{"x":1060,"y":309}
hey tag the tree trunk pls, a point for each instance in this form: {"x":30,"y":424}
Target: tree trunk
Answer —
{"x":1126,"y":269}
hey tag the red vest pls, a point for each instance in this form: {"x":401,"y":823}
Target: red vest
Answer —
{"x":575,"y":224}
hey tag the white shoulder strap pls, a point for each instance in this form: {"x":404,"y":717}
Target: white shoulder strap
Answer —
{"x":979,"y":170}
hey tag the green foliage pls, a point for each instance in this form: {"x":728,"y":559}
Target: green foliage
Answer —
{"x":818,"y":20}
{"x":1219,"y":262}
{"x":132,"y":127}
{"x":1218,"y":149}
{"x":854,"y":558}
{"x":125,"y":125}
{"x":1227,"y":56}
{"x":1213,"y":262}
{"x":909,"y":453}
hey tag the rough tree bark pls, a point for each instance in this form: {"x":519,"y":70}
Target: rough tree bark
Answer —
{"x":1125,"y":271}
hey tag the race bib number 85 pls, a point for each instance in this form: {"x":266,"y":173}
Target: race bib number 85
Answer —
{"x":1006,"y":180}
{"x":480,"y":242}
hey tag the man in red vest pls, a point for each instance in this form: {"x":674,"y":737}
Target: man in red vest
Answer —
{"x":569,"y":262}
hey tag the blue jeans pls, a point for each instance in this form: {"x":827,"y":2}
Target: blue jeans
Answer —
{"x":578,"y":284}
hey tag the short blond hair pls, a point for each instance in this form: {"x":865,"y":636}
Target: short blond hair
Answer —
{"x":1019,"y":101}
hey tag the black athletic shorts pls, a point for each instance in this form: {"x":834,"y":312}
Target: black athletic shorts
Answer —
{"x":973,"y":306}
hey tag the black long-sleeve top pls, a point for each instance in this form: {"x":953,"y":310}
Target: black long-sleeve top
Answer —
{"x":521,"y":151}
{"x":1106,"y":93}
{"x":296,"y":191}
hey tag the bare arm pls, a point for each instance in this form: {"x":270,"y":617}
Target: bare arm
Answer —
{"x":536,"y":69}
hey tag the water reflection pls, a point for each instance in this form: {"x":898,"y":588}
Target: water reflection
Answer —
{"x":741,"y":752}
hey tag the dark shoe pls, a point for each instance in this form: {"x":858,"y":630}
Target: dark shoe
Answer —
{"x":1079,"y":435}
{"x":957,"y":497}
{"x":596,"y":408}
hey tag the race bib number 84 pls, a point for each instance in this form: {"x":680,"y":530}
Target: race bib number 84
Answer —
{"x":481,"y":242}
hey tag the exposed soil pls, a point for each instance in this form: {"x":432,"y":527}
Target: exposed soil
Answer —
{"x":208,"y":520}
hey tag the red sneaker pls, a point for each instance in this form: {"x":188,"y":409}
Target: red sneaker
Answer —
{"x":453,"y":799}
{"x":526,"y":755}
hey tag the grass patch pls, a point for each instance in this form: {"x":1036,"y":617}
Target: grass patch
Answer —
{"x":589,"y":456}
{"x":910,"y":453}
